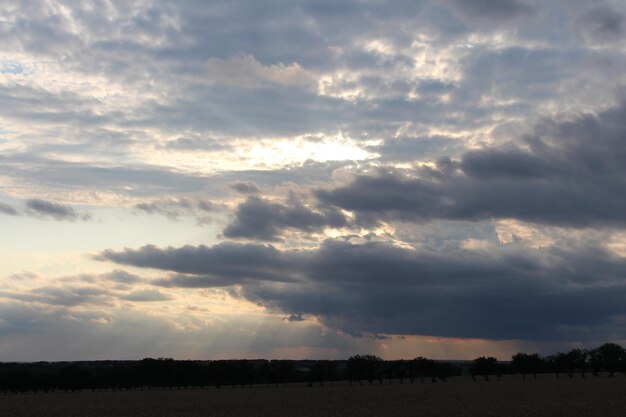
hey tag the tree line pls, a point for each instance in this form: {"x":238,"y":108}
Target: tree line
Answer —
{"x":166,"y":373}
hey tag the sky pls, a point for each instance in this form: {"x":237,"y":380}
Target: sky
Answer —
{"x":311,"y":179}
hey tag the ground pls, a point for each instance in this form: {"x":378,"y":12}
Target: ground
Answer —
{"x":547,"y":396}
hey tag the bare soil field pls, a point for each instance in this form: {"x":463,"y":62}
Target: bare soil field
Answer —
{"x":547,"y":396}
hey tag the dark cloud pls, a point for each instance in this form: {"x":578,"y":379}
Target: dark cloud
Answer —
{"x":602,"y":24}
{"x":8,"y":209}
{"x":569,"y":174}
{"x":122,"y":277}
{"x":204,"y":205}
{"x":295,"y":317}
{"x":57,"y":211}
{"x":226,"y":261}
{"x":260,"y":219}
{"x":508,"y":292}
{"x":245,"y":187}
{"x":491,"y":9}
{"x":522,"y":76}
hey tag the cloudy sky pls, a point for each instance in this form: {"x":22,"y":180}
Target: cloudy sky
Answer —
{"x":311,"y":179}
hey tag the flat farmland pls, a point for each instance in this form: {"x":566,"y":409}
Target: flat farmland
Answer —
{"x":547,"y":396}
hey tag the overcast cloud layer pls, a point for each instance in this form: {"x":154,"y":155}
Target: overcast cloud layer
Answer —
{"x":312,"y":178}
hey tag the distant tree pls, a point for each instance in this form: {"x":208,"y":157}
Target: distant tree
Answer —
{"x":612,"y":357}
{"x":389,"y":371}
{"x":485,"y":366}
{"x":280,"y":370}
{"x":368,"y":367}
{"x":557,"y":363}
{"x":323,"y":371}
{"x":595,"y":361}
{"x":401,"y":370}
{"x":526,"y":363}
{"x":575,"y":359}
{"x":243,"y":373}
{"x":354,"y":369}
{"x":411,"y":367}
{"x":218,"y":373}
{"x":445,"y":370}
{"x":262,"y":372}
{"x":73,"y":378}
{"x":46,"y":381}
{"x":18,"y":379}
{"x":422,"y":368}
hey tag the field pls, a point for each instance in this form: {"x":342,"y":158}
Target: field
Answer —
{"x":602,"y":397}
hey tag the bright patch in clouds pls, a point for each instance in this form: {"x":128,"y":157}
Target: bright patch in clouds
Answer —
{"x":300,"y":150}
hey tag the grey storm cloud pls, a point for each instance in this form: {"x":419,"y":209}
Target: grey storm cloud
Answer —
{"x":8,"y":209}
{"x":602,"y":24}
{"x":226,"y":261}
{"x":57,"y":211}
{"x":295,"y":317}
{"x":245,"y":187}
{"x":260,"y":219}
{"x":121,"y":277}
{"x":509,"y":292}
{"x":486,"y":15}
{"x":567,"y":174}
{"x":491,"y":9}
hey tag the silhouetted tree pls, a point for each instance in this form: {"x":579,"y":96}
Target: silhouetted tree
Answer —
{"x":485,"y":366}
{"x":575,"y":359}
{"x":595,"y":361}
{"x":218,"y":373}
{"x":421,"y":368}
{"x":322,"y":371}
{"x":17,"y":379}
{"x":557,"y":363}
{"x":280,"y":370}
{"x":401,"y":370}
{"x":73,"y":378}
{"x":368,"y":367}
{"x":445,"y":370}
{"x":244,"y":373}
{"x":612,"y":357}
{"x":525,"y":363}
